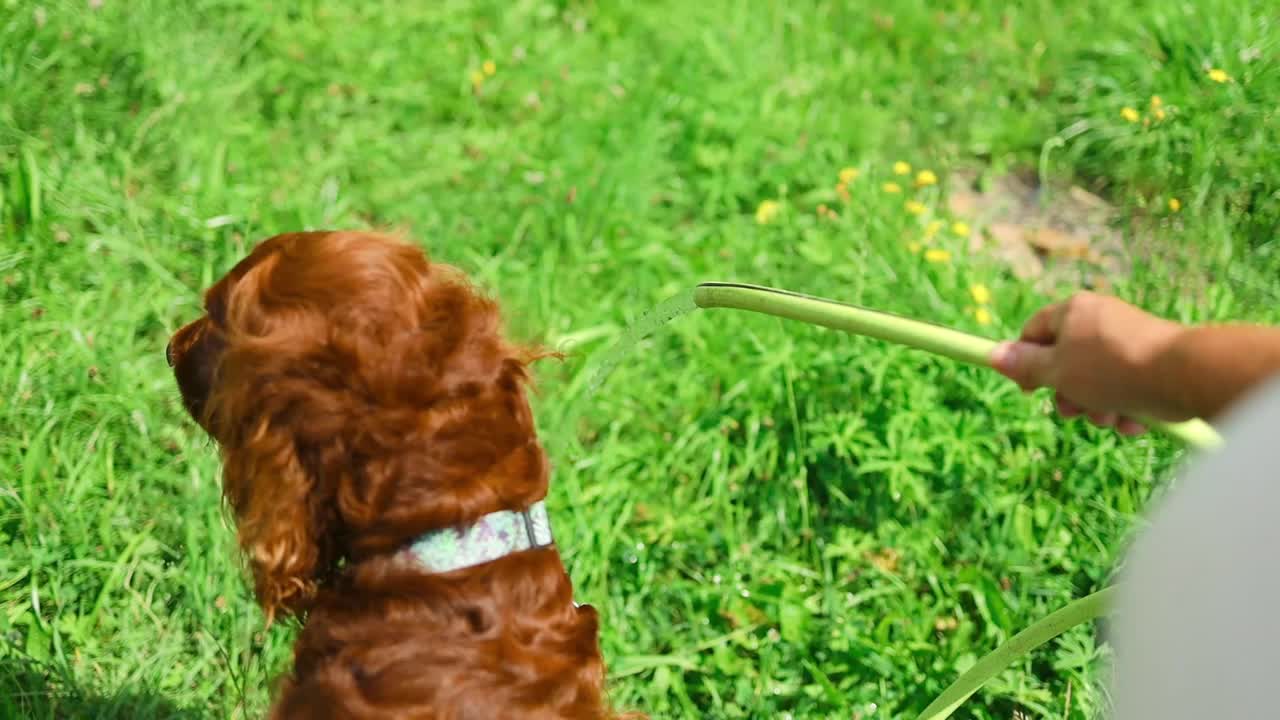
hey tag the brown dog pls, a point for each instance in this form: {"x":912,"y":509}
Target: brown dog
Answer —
{"x":367,"y":407}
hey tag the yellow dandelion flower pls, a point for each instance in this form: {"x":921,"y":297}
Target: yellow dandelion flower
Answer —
{"x":915,"y":207}
{"x":1156,"y":101}
{"x":960,"y":228}
{"x":914,"y":247}
{"x":477,"y":78}
{"x":924,"y":178}
{"x":982,"y":315}
{"x":933,"y":228}
{"x":892,"y":187}
{"x":901,"y":168}
{"x":1160,"y":113}
{"x":1219,"y":76}
{"x":1129,"y":114}
{"x":935,"y":255}
{"x":1175,"y":204}
{"x":980,"y":293}
{"x":489,"y":68}
{"x":766,"y":211}
{"x":848,"y":175}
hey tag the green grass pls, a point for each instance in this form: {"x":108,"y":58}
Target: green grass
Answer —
{"x":722,"y":497}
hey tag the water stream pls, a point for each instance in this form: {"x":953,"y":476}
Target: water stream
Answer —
{"x":645,"y":325}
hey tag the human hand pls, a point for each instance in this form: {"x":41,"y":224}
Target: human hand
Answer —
{"x":1097,"y":353}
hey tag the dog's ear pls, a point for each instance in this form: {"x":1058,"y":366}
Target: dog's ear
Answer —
{"x":280,"y":517}
{"x":274,"y":417}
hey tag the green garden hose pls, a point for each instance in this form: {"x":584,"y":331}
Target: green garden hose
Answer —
{"x":1042,"y":631}
{"x":881,"y":325}
{"x":966,"y":348}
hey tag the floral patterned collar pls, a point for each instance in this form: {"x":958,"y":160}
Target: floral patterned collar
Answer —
{"x":493,"y":536}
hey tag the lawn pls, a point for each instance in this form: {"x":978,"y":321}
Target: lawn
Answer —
{"x":774,"y":520}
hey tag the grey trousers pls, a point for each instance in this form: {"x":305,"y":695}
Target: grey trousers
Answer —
{"x":1196,"y":629}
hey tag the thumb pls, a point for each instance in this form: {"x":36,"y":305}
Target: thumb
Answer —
{"x":1028,"y":364}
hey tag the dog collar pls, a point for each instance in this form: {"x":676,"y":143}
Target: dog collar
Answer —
{"x":493,"y":536}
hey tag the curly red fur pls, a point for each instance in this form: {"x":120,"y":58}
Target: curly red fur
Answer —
{"x":361,"y":396}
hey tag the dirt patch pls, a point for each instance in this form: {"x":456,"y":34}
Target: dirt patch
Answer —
{"x":1048,"y":235}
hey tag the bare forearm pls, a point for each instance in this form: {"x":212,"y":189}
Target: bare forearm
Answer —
{"x":1205,"y":370}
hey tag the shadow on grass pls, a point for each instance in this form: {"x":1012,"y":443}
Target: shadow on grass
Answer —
{"x":36,"y":691}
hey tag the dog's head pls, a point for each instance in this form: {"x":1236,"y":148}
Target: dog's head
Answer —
{"x":361,"y":395}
